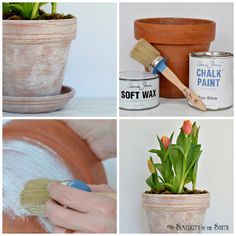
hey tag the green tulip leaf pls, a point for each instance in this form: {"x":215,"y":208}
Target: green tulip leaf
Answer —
{"x":193,"y":155}
{"x":176,"y":184}
{"x":158,"y":152}
{"x":176,"y":154}
{"x":150,"y":183}
{"x":161,"y":144}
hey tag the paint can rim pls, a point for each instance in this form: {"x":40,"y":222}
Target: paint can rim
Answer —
{"x":211,"y":54}
{"x":136,"y":75}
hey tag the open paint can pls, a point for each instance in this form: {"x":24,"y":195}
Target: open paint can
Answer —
{"x":138,"y":90}
{"x":211,"y":77}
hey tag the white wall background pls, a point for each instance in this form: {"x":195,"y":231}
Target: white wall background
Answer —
{"x":215,"y":169}
{"x":221,"y":13}
{"x":91,"y":67}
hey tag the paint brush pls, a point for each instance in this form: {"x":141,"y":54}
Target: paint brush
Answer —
{"x":151,"y":58}
{"x":35,"y":194}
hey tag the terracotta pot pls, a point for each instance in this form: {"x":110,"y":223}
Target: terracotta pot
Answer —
{"x":175,"y":38}
{"x":166,"y":212}
{"x":35,"y":55}
{"x":75,"y":152}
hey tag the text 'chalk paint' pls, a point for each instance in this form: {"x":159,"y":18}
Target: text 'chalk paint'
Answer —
{"x":138,"y":90}
{"x":211,"y":77}
{"x":24,"y":160}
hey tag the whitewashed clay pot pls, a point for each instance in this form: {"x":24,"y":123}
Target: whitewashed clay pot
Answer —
{"x":165,"y":212}
{"x":34,"y":56}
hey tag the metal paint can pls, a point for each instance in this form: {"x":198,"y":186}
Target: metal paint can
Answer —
{"x":138,"y":90}
{"x":211,"y":77}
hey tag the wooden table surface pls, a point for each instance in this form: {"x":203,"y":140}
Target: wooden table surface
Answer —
{"x":79,"y":107}
{"x":106,"y":107}
{"x":176,"y":107}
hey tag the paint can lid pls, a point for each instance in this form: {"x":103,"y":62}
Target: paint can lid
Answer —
{"x":137,"y":75}
{"x":211,"y":54}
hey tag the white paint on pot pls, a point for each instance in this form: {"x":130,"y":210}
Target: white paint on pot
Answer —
{"x":211,"y":77}
{"x":175,"y":213}
{"x":24,"y":160}
{"x":138,"y":90}
{"x":38,"y":49}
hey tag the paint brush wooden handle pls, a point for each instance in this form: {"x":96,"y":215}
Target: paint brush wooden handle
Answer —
{"x":188,"y":93}
{"x":159,"y":65}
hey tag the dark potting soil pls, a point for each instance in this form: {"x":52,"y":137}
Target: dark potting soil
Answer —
{"x":186,"y":191}
{"x":42,"y":16}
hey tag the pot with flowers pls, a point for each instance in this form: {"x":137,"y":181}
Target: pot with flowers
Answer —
{"x":35,"y":50}
{"x":170,"y":206}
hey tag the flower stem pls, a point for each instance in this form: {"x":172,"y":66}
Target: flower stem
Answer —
{"x":54,"y":7}
{"x":34,"y":11}
{"x":181,"y":186}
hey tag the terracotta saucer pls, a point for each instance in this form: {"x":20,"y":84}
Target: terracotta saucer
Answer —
{"x":38,"y":104}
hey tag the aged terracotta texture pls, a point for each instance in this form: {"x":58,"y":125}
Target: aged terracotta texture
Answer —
{"x":175,"y":38}
{"x":75,"y":152}
{"x":167,"y":210}
{"x":35,"y":55}
{"x":38,"y":104}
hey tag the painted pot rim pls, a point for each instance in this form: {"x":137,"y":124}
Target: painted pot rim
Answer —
{"x":176,"y":195}
{"x":36,"y":21}
{"x":176,"y":201}
{"x":39,"y":31}
{"x":169,"y":30}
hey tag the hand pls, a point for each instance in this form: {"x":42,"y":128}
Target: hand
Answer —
{"x":85,"y":212}
{"x":100,"y":135}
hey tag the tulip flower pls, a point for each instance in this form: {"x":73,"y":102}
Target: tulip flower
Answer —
{"x":151,"y":166}
{"x":177,"y":163}
{"x":165,"y":141}
{"x":187,"y":127}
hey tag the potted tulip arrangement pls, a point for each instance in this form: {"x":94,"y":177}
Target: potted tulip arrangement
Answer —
{"x":171,"y":207}
{"x":35,"y":50}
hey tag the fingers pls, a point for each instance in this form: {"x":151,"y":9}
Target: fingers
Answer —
{"x":73,"y":198}
{"x":64,"y":217}
{"x":92,"y":222}
{"x":81,"y":127}
{"x":102,"y":188}
{"x":87,"y":212}
{"x":100,"y":135}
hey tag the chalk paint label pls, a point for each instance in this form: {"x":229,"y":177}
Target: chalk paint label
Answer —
{"x":139,"y":94}
{"x":212,"y":80}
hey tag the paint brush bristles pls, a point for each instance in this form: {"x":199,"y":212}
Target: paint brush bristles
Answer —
{"x":144,"y":53}
{"x":34,"y":196}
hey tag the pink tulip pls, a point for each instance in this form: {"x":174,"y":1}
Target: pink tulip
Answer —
{"x":165,"y":141}
{"x":187,"y":127}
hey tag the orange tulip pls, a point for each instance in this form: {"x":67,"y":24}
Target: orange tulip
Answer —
{"x":187,"y":127}
{"x":165,"y":141}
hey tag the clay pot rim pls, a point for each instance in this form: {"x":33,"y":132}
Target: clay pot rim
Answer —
{"x":37,"y":21}
{"x":200,"y":32}
{"x":198,"y":21}
{"x":176,"y":195}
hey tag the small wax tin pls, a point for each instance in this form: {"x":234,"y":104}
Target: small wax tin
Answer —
{"x":138,"y":90}
{"x":211,"y":77}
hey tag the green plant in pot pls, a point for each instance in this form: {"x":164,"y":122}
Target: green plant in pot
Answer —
{"x":35,"y":49}
{"x":170,"y":206}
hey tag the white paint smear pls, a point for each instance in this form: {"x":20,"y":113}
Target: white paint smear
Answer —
{"x":24,"y":160}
